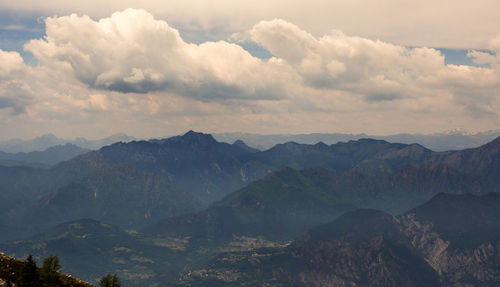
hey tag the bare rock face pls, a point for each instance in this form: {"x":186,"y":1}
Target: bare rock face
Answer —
{"x":469,"y":266}
{"x":362,"y":248}
{"x":431,"y":246}
{"x":354,"y":264}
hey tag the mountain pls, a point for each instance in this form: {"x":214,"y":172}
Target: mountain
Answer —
{"x":49,"y":140}
{"x":86,"y":187}
{"x":357,"y":174}
{"x":361,"y":248}
{"x":194,"y":162}
{"x":452,"y":140}
{"x":459,"y":236}
{"x":208,"y":169}
{"x":156,"y":179}
{"x":358,"y":154}
{"x":288,"y":202}
{"x":117,"y":194}
{"x":46,"y":158}
{"x":451,"y":240}
{"x":266,"y":200}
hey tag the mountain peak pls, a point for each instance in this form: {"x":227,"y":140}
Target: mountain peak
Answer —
{"x":190,"y":138}
{"x":197,"y":136}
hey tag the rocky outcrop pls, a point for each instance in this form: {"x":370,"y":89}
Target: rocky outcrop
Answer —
{"x":457,"y":267}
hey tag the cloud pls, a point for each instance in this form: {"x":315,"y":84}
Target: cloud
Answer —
{"x":378,"y":70}
{"x":12,"y":63}
{"x":131,"y":52}
{"x":132,"y":72}
{"x":447,"y":23}
{"x":15,"y":94}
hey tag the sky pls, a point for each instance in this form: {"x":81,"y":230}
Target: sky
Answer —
{"x":152,"y":69}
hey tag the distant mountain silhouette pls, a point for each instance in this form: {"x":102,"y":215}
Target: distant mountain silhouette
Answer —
{"x":451,"y":140}
{"x":46,"y":158}
{"x":49,"y":140}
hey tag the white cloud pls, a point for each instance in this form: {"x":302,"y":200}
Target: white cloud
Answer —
{"x":131,"y":71}
{"x":15,"y":93}
{"x":12,"y":63}
{"x":133,"y":52}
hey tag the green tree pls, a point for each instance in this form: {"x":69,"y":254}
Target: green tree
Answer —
{"x":49,"y":271}
{"x":29,"y":276}
{"x":110,"y":280}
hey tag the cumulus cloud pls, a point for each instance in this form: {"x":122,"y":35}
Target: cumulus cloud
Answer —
{"x":15,"y":93}
{"x":378,"y":70}
{"x":133,"y":52}
{"x":132,"y":70}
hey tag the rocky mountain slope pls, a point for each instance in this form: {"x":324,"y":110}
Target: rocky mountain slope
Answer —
{"x":452,"y":240}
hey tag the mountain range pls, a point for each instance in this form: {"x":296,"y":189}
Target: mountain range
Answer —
{"x":194,"y":170}
{"x":150,"y":210}
{"x":452,"y":240}
{"x":42,"y":159}
{"x":49,"y":140}
{"x":450,"y":140}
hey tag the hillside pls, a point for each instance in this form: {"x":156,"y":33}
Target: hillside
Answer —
{"x":361,"y":248}
{"x":90,"y":249}
{"x":429,"y":246}
{"x":288,"y":202}
{"x":11,"y":270}
{"x":36,"y":199}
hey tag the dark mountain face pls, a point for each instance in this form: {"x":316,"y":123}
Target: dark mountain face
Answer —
{"x":117,"y":194}
{"x":210,"y":170}
{"x":194,"y":162}
{"x":86,"y":187}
